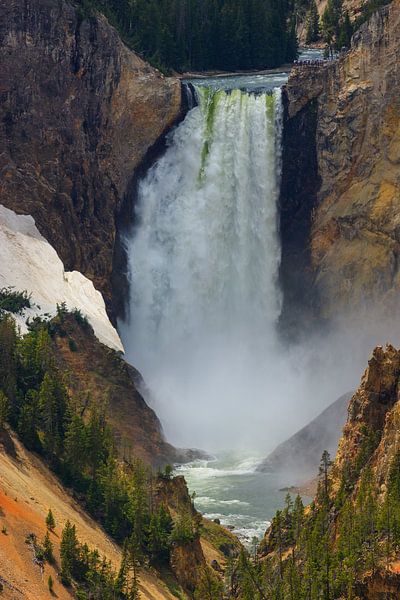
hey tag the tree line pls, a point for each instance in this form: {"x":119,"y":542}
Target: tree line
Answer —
{"x":335,"y":26}
{"x":309,"y":554}
{"x":204,"y":34}
{"x":322,"y":552}
{"x":73,"y":436}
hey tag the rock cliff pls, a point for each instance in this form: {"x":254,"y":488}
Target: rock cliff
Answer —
{"x":343,"y":127}
{"x":92,"y":370}
{"x":299,"y":456}
{"x":360,"y":486}
{"x":371,"y":434}
{"x":79,"y":113}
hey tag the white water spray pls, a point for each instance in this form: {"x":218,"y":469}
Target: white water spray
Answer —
{"x":203,"y":262}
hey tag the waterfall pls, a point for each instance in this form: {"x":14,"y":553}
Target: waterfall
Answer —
{"x":203,"y":263}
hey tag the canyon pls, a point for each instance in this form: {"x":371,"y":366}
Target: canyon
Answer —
{"x":339,"y":214}
{"x":83,"y":119}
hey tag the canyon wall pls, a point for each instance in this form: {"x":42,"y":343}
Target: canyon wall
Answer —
{"x":342,"y":124}
{"x":79,"y":113}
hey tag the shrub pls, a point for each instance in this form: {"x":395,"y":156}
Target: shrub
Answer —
{"x":14,"y":301}
{"x":80,"y":318}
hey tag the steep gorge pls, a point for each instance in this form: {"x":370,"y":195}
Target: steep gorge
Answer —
{"x":339,"y":221}
{"x":79,"y":112}
{"x":342,"y":178}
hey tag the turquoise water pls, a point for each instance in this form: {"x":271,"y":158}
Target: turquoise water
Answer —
{"x":229,"y":488}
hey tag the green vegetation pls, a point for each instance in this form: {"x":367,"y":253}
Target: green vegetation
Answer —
{"x":337,"y":27}
{"x":92,"y":576}
{"x":312,"y":21}
{"x":75,"y":439}
{"x":203,"y":34}
{"x":13,"y":301}
{"x":210,"y":586}
{"x":50,"y":521}
{"x":48,"y":548}
{"x":323,"y":551}
{"x":220,"y":538}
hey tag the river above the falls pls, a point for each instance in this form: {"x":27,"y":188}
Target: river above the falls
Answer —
{"x":253,"y":82}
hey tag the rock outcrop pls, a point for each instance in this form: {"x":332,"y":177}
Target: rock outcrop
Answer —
{"x":299,"y":456}
{"x":79,"y":113}
{"x":348,"y":215}
{"x":364,"y":470}
{"x":96,"y":372}
{"x":372,"y":428}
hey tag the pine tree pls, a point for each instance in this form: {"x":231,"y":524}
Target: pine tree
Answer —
{"x":345,"y":32}
{"x":8,"y":363}
{"x":50,"y":521}
{"x":4,"y":409}
{"x":75,"y":446}
{"x":209,"y":586}
{"x":331,"y":22}
{"x":53,"y":407}
{"x":312,"y":21}
{"x":159,"y":532}
{"x":48,"y":548}
{"x":324,"y":482}
{"x":69,"y":553}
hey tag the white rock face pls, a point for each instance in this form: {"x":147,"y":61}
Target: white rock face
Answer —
{"x":28,"y":262}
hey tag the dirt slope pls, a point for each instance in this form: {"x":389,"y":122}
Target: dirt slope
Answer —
{"x":27,"y":491}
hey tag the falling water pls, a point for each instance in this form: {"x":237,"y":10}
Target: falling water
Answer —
{"x":203,"y":267}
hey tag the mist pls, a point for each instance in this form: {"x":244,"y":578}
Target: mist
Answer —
{"x":205,"y":299}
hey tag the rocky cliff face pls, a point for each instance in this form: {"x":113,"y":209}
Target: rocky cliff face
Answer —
{"x":359,"y":485}
{"x":372,"y":428}
{"x":298,"y":457}
{"x":94,"y":371}
{"x":79,"y":112}
{"x":349,"y":217}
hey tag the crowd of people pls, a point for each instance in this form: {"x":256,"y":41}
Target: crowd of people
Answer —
{"x":315,"y":62}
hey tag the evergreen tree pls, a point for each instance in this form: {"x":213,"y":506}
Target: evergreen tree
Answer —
{"x":206,"y":34}
{"x":48,"y":548}
{"x":331,"y":23}
{"x":75,"y":447}
{"x":53,"y":407}
{"x":8,"y":364}
{"x":69,"y":553}
{"x":209,"y":587}
{"x":4,"y":409}
{"x":50,"y":521}
{"x":159,"y":533}
{"x":312,"y":21}
{"x":345,"y":32}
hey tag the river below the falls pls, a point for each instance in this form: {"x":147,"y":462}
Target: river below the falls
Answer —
{"x":230,"y":489}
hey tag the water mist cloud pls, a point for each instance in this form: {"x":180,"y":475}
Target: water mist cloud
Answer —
{"x":205,"y":299}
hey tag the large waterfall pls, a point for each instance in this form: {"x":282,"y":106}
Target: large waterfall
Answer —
{"x":203,"y":267}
